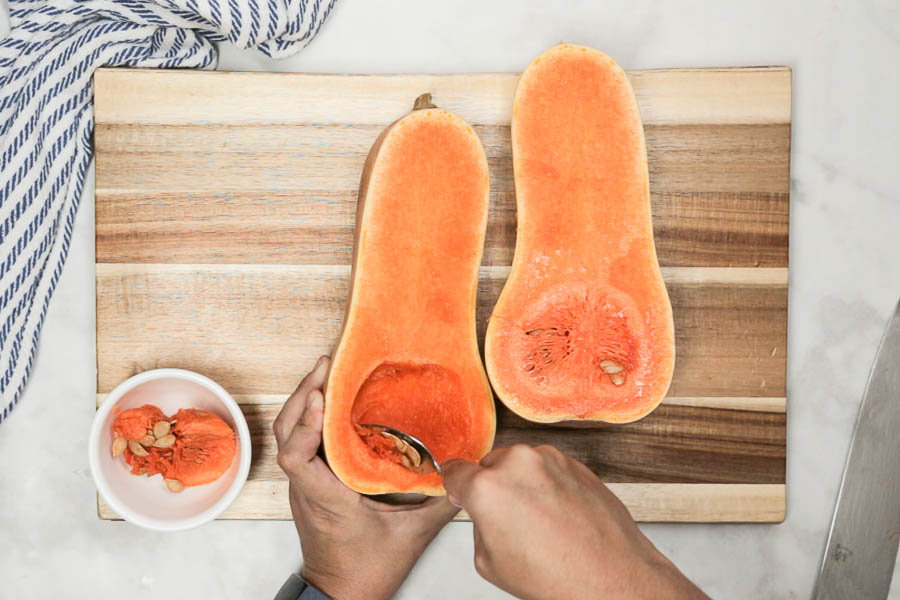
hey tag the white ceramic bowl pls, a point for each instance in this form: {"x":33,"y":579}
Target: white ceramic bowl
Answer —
{"x":146,"y":501}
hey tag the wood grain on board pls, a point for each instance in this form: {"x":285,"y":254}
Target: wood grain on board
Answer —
{"x":253,"y":328}
{"x":224,"y":222}
{"x":667,"y":502}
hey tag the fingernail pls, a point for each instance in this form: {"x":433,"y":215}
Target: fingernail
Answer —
{"x":321,"y":361}
{"x":453,"y":501}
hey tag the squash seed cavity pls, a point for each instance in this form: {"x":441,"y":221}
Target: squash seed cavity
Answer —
{"x":576,"y":337}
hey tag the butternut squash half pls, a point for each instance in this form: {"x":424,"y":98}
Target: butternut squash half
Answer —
{"x":408,"y":355}
{"x":583,"y":327}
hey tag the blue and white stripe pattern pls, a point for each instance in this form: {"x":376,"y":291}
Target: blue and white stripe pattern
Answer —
{"x":46,"y":122}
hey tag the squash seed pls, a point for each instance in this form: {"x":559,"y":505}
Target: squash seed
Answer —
{"x":161,"y":428}
{"x":165,"y":441}
{"x":617,"y":379}
{"x":409,"y":456}
{"x":610,"y":367}
{"x":147,"y":440}
{"x":137,"y":449}
{"x":119,"y":445}
{"x":399,"y":444}
{"x":413,"y":455}
{"x":174,"y":485}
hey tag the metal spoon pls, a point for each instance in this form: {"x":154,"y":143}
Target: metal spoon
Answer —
{"x":419,"y":459}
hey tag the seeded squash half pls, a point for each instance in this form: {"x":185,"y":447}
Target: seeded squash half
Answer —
{"x":583,"y":327}
{"x":408,"y":355}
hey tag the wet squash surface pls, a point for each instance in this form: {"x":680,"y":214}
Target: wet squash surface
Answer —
{"x":408,"y":355}
{"x":583,"y":327}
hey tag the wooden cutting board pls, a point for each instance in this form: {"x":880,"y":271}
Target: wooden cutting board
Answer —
{"x":224,"y":222}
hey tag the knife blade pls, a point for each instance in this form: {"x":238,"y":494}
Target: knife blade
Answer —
{"x":862,"y":544}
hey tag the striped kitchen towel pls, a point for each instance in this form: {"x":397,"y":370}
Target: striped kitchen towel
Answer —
{"x":46,"y":122}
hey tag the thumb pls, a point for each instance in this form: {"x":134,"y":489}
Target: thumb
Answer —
{"x":458,"y":474}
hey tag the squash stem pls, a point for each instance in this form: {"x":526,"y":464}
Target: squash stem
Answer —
{"x":424,"y":101}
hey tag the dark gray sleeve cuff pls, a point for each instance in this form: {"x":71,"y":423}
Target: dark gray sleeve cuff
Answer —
{"x":312,"y":593}
{"x":297,"y":589}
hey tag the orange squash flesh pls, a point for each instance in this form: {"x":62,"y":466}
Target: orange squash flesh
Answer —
{"x":583,"y":327}
{"x":408,"y":355}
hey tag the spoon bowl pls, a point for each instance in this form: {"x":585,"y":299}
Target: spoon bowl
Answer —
{"x":415,"y":454}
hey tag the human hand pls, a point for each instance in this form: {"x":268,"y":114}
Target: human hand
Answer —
{"x":353,"y":546}
{"x":547,"y":527}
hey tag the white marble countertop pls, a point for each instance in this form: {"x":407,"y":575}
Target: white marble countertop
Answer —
{"x":845,"y":280}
